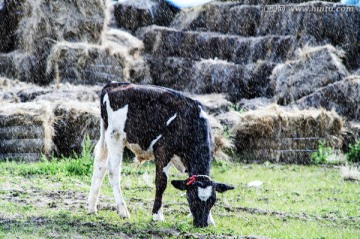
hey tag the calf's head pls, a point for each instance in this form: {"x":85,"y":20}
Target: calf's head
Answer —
{"x":201,"y":196}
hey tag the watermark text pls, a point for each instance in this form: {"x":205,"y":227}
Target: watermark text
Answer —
{"x":313,"y":9}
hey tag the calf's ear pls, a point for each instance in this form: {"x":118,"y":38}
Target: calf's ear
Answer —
{"x":221,"y":187}
{"x":179,"y":184}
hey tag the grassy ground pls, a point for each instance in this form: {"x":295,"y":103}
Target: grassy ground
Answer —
{"x":48,"y":200}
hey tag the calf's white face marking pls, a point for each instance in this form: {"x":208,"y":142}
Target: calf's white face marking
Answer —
{"x":171,"y":119}
{"x":204,"y":193}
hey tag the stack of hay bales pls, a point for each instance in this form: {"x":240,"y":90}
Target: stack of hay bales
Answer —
{"x":319,"y":23}
{"x":73,"y":122}
{"x":42,"y":24}
{"x":278,"y":135}
{"x":315,"y":67}
{"x":53,"y":121}
{"x":343,"y":97}
{"x":26,"y":131}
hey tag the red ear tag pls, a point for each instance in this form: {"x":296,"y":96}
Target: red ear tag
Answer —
{"x":190,"y":180}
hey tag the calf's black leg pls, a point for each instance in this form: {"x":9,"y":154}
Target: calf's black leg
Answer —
{"x":162,"y":166}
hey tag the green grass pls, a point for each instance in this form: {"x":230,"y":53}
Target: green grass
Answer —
{"x":48,"y":200}
{"x":353,"y":155}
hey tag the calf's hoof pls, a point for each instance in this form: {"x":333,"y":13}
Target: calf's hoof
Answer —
{"x":159,"y":216}
{"x":92,"y":210}
{"x":123,"y":212}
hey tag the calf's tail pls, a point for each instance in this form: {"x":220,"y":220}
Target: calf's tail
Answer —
{"x":100,"y":150}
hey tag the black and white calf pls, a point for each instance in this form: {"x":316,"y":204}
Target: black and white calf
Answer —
{"x":161,"y":124}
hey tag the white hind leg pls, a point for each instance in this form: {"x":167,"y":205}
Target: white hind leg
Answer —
{"x":98,"y":174}
{"x":114,"y":140}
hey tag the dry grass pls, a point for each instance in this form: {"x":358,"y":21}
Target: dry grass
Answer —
{"x":69,"y":92}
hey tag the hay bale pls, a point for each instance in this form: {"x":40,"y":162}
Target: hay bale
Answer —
{"x":26,"y":131}
{"x":290,"y":135}
{"x":136,"y":68}
{"x":171,"y":72}
{"x":16,"y":91}
{"x":342,"y":96}
{"x":212,"y":76}
{"x":229,"y":17}
{"x":46,"y":21}
{"x":129,"y":43}
{"x":9,"y":97}
{"x":213,"y":103}
{"x":83,"y":63}
{"x":131,"y":14}
{"x":23,"y":66}
{"x":238,"y":81}
{"x":73,"y":121}
{"x":314,"y":68}
{"x":19,"y":65}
